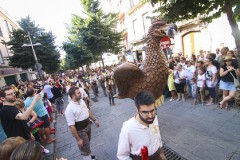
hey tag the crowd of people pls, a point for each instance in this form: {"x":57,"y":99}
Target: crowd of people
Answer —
{"x":203,"y":76}
{"x":27,"y":108}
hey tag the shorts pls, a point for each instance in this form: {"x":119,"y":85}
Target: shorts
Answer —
{"x":228,"y":86}
{"x":46,"y":121}
{"x":52,"y":100}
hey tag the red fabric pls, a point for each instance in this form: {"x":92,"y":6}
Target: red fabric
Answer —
{"x":144,"y":153}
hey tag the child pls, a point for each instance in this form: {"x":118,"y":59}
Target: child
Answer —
{"x":201,"y":80}
{"x":194,"y":90}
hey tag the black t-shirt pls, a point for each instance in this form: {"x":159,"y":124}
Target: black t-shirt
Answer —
{"x":11,"y":126}
{"x":228,"y":77}
{"x":56,"y":91}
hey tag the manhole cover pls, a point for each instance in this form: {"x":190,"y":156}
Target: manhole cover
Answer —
{"x":171,"y":154}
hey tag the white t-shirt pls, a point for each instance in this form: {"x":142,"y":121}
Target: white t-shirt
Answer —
{"x":190,"y":71}
{"x":134,"y":136}
{"x":178,"y":75}
{"x":209,"y":75}
{"x":75,"y":112}
{"x":200,"y":80}
{"x":47,"y":89}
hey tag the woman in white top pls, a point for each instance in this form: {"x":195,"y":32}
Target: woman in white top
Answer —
{"x":211,"y":79}
{"x":180,"y":81}
{"x":189,"y":70}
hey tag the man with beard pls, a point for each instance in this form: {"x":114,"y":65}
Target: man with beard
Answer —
{"x":14,"y":121}
{"x":141,"y":130}
{"x":77,"y":116}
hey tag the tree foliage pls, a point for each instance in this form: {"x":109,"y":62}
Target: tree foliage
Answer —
{"x":207,"y":10}
{"x":47,"y":54}
{"x":94,"y":35}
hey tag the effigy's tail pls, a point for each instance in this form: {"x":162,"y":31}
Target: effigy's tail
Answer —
{"x":159,"y":101}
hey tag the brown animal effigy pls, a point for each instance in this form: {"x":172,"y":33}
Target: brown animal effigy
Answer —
{"x":153,"y":73}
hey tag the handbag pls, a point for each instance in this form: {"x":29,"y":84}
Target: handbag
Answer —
{"x":182,"y":81}
{"x":235,"y":81}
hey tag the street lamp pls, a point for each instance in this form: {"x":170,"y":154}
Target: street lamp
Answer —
{"x":38,"y":66}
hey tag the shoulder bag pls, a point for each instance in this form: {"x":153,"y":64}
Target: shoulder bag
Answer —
{"x":235,"y":81}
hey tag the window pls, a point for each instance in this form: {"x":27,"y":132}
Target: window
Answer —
{"x":1,"y":34}
{"x":134,"y":27}
{"x":6,"y":23}
{"x":134,"y":3}
{"x":1,"y":58}
{"x":146,"y":23}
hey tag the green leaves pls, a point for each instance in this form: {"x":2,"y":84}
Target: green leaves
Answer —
{"x":92,"y":36}
{"x":47,"y":53}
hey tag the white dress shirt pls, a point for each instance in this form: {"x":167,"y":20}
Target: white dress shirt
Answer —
{"x":134,"y":136}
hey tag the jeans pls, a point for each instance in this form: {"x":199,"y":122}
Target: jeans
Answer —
{"x":189,"y":86}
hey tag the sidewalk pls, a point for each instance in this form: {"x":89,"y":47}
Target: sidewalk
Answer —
{"x":195,"y":132}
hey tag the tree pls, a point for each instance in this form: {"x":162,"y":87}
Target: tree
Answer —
{"x":76,"y":56}
{"x":47,"y":54}
{"x":96,"y":32}
{"x":178,"y":10}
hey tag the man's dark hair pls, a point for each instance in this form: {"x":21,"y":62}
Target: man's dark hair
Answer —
{"x":144,"y":98}
{"x":2,"y":92}
{"x":72,"y":90}
{"x":30,"y":92}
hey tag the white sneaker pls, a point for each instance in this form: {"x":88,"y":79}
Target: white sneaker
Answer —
{"x":178,"y":99}
{"x":183,"y":99}
{"x":45,"y":150}
{"x":171,"y":99}
{"x":87,"y":157}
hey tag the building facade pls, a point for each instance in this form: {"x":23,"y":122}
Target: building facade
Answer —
{"x":8,"y":74}
{"x":191,"y":36}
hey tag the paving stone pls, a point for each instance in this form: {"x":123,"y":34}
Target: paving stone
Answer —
{"x":194,"y":131}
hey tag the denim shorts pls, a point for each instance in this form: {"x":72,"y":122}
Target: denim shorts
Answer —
{"x":228,"y":86}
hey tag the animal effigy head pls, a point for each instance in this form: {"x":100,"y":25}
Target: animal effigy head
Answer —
{"x":160,"y":29}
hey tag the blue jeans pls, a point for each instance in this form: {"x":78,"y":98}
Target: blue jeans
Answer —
{"x":189,"y":86}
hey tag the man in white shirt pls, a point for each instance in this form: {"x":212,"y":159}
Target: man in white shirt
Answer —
{"x":77,"y":116}
{"x":84,"y":95}
{"x":141,"y":130}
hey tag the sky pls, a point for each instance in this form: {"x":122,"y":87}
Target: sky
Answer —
{"x":52,"y":15}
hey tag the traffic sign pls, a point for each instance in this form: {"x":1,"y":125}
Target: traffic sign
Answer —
{"x":165,"y":43}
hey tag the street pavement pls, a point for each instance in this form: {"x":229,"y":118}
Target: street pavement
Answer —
{"x":195,"y":132}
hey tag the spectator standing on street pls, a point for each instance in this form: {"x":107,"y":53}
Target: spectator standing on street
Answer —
{"x":180,"y":81}
{"x":42,"y":113}
{"x":189,"y":70}
{"x":211,"y":79}
{"x":48,"y":90}
{"x":227,"y":72}
{"x":29,"y":150}
{"x":220,"y":58}
{"x":14,"y":121}
{"x":57,"y":94}
{"x":141,"y":130}
{"x":77,"y":116}
{"x":9,"y":145}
